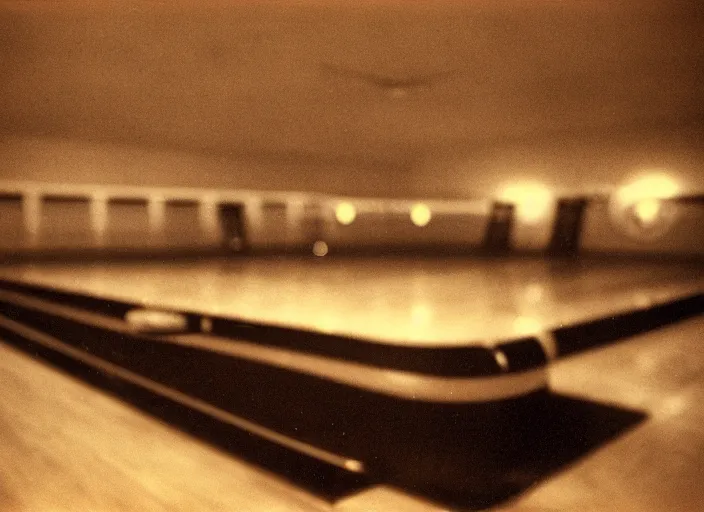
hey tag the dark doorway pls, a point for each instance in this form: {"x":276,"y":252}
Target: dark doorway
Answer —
{"x":497,"y":238}
{"x":567,"y":230}
{"x":232,"y":226}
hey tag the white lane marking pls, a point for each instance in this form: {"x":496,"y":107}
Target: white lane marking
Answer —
{"x":194,"y":403}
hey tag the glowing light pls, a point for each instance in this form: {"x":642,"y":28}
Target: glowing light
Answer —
{"x":641,"y":300}
{"x":328,"y":323}
{"x":526,"y":325}
{"x":345,"y":213}
{"x":421,"y":314}
{"x":420,"y":215}
{"x":320,"y":248}
{"x":673,"y":406}
{"x":398,"y":92}
{"x":647,"y":210}
{"x":641,"y":208}
{"x":653,"y":186}
{"x":533,"y":201}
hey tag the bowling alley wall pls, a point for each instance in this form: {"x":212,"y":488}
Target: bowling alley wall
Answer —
{"x":39,"y":218}
{"x":131,"y":126}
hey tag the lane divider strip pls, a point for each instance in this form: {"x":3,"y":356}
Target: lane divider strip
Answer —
{"x":397,"y":383}
{"x":52,"y":343}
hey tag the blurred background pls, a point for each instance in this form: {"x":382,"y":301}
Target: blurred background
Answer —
{"x":518,"y":102}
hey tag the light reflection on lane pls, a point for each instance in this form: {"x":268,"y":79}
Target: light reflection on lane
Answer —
{"x":400,"y":300}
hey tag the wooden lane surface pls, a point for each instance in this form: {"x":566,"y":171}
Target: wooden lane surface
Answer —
{"x":658,"y":465}
{"x":66,"y":447}
{"x":439,"y":301}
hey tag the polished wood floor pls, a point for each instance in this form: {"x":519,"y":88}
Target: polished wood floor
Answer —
{"x":657,"y":465}
{"x":67,"y":447}
{"x":438,"y":301}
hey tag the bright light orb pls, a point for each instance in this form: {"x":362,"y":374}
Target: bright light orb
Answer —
{"x":653,"y":186}
{"x":641,"y":207}
{"x":420,"y":215}
{"x":647,"y":210}
{"x":526,"y":325}
{"x":533,"y":201}
{"x":345,"y":213}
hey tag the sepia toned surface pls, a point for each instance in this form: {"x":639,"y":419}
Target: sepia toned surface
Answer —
{"x":451,"y":301}
{"x":68,"y":447}
{"x":656,"y":466}
{"x":387,"y":100}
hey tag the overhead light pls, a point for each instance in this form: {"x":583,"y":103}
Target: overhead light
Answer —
{"x":421,"y":314}
{"x":643,"y":209}
{"x":652,"y":186}
{"x":420,"y":214}
{"x":524,"y":325}
{"x":647,"y":210}
{"x":345,"y":213}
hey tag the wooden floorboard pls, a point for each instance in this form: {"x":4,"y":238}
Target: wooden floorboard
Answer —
{"x":64,"y":446}
{"x":67,"y":447}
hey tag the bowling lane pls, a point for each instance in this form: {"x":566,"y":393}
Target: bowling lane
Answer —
{"x":67,"y":447}
{"x":443,"y":301}
{"x":656,"y":466}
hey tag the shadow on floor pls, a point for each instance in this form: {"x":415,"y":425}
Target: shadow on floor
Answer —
{"x":564,"y":430}
{"x":324,"y":480}
{"x":558,"y":431}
